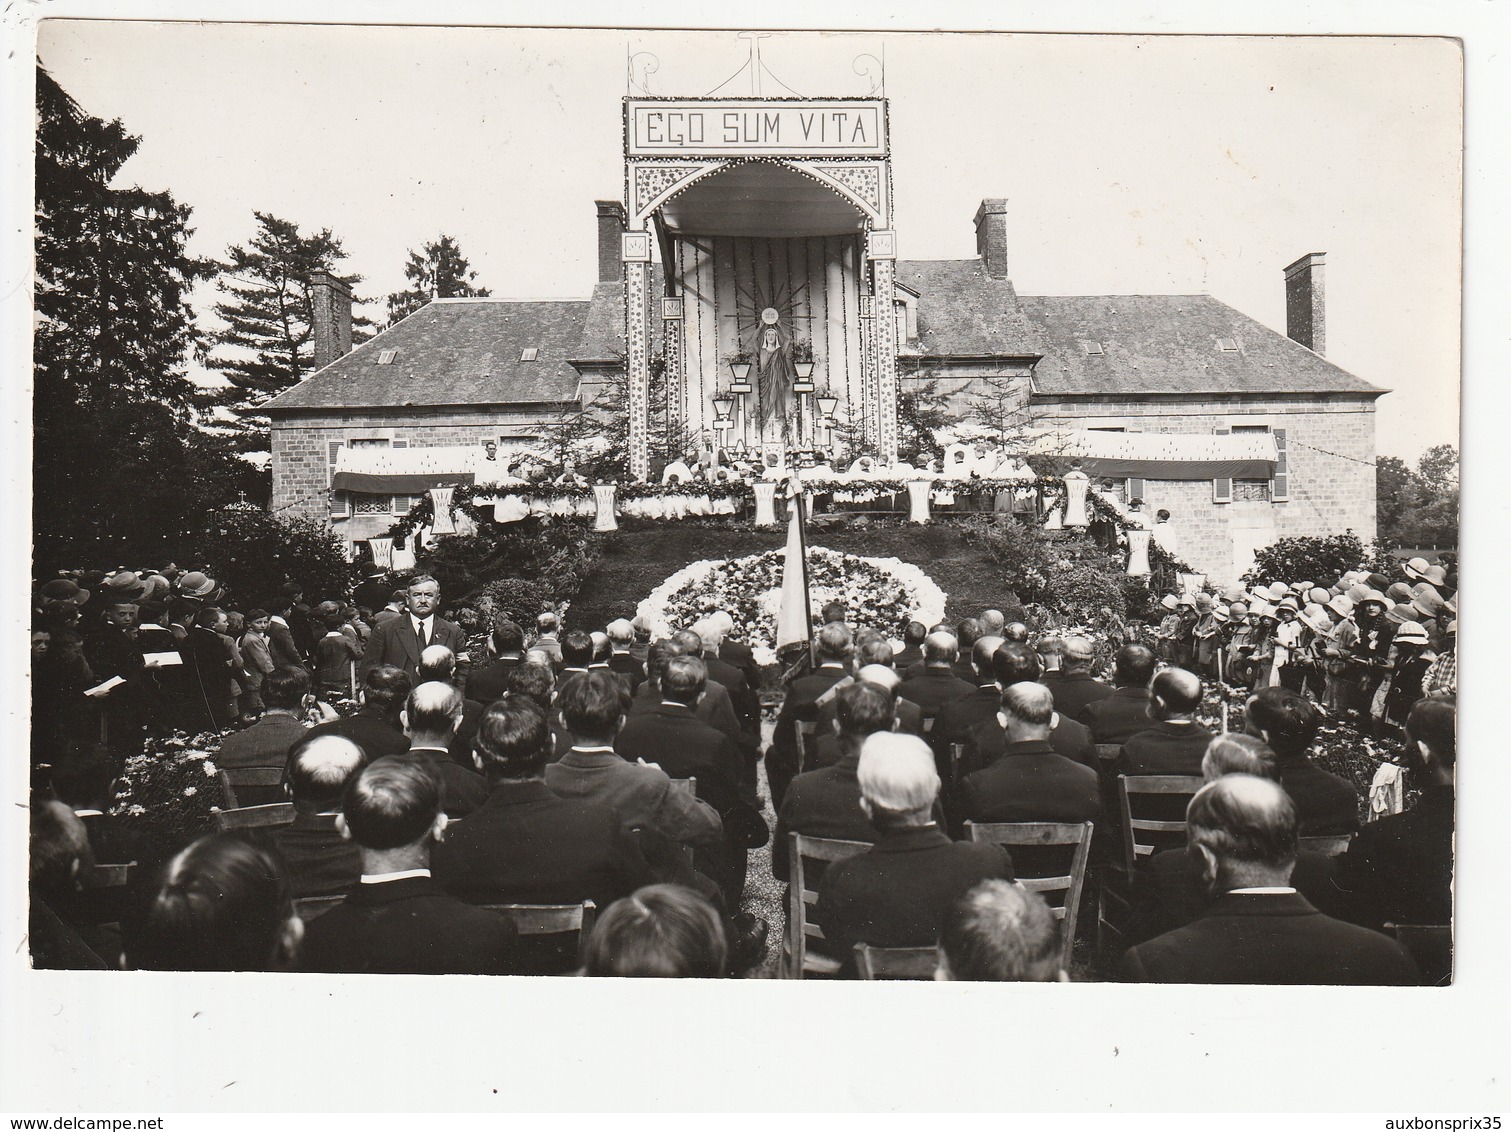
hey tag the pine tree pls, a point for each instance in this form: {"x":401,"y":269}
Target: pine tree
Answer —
{"x":269,"y":315}
{"x":919,"y":416}
{"x":118,"y":466}
{"x":440,"y":271}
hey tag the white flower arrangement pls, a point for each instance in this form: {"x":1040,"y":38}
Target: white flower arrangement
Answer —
{"x":881,"y":593}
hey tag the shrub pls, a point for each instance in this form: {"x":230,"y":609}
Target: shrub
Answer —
{"x":1069,"y":574}
{"x":553,"y":554}
{"x":253,"y":553}
{"x":518,"y":599}
{"x":1319,"y":558}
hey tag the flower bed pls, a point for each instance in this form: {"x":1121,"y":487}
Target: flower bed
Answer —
{"x":880,"y":593}
{"x":173,"y":788}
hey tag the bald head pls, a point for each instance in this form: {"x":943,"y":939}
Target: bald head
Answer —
{"x":1175,"y":693}
{"x":432,"y":713}
{"x":1078,"y":654}
{"x":992,"y":621}
{"x":437,"y":662}
{"x":1028,"y":709}
{"x":940,"y":648}
{"x":898,"y":782}
{"x":1244,"y":831}
{"x":320,"y":769}
{"x":620,"y":632}
{"x":879,"y":676}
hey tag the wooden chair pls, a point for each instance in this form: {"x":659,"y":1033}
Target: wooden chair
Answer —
{"x":262,"y":776}
{"x":797,"y":960}
{"x":1108,"y":752}
{"x":1075,"y":838}
{"x":687,"y":786}
{"x":1151,"y":785}
{"x":873,"y":963}
{"x":928,"y":724}
{"x":1329,"y":845}
{"x":552,"y":919}
{"x":255,"y":817}
{"x":312,"y":907}
{"x":1431,"y":947}
{"x":803,"y":735}
{"x":957,"y":756}
{"x":111,"y":876}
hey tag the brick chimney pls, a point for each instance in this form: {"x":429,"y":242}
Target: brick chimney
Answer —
{"x":1305,"y":307}
{"x":611,"y":225}
{"x":332,"y":300}
{"x":991,"y":236}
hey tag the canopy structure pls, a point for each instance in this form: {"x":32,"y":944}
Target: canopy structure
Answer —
{"x":398,"y":471}
{"x":1163,"y":455}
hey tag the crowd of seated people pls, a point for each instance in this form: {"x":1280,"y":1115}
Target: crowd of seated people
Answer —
{"x":460,"y":807}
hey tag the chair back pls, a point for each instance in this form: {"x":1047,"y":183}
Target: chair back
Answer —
{"x":1431,"y":947}
{"x":1108,"y":752}
{"x":803,"y":735}
{"x":801,"y":898}
{"x":1163,"y":785}
{"x":312,"y":907}
{"x":552,"y":919}
{"x":1075,"y":839}
{"x":111,"y":876}
{"x":873,"y":963}
{"x":688,"y":786}
{"x":255,"y":817}
{"x":957,"y":756}
{"x":1329,"y":845}
{"x":928,"y":724}
{"x":233,"y":776}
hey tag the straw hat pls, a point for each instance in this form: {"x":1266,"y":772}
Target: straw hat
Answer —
{"x":1399,"y":592}
{"x":1341,"y":605}
{"x":63,"y":590}
{"x":1402,"y":614}
{"x":1436,"y":575}
{"x":1416,"y":567}
{"x":1238,"y":610}
{"x":1220,"y":615}
{"x":1411,"y":634}
{"x":1359,"y":592}
{"x":1372,"y":595}
{"x":1169,"y":602}
{"x":123,"y":585}
{"x":1315,"y":618}
{"x":1319,"y":596}
{"x":1278,"y":590}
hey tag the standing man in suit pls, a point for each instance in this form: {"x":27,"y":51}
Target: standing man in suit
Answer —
{"x":741,"y":693}
{"x":735,"y":653}
{"x":622,"y":662}
{"x":1260,"y":929}
{"x":834,"y":645}
{"x":1288,"y":722}
{"x":374,"y":592}
{"x":1125,"y":712}
{"x":400,"y":640}
{"x":1073,"y":686}
{"x":1176,"y":744}
{"x":899,"y":893}
{"x":209,"y":669}
{"x":397,"y":920}
{"x":321,"y":861}
{"x":546,"y":627}
{"x":282,"y":646}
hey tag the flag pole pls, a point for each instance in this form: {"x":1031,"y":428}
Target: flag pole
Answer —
{"x":802,"y":539}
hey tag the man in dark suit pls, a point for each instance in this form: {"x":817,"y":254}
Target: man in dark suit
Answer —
{"x":673,"y":738}
{"x":1014,"y":663}
{"x":282,"y":646}
{"x":912,"y":646}
{"x":1260,"y":929}
{"x":375,"y":726}
{"x":489,"y":682}
{"x":826,"y":802}
{"x":576,"y":654}
{"x":1176,"y":744}
{"x":1400,"y":869}
{"x":266,"y":743}
{"x":438,"y":663}
{"x":526,"y":845}
{"x":321,"y":861}
{"x":400,"y":640}
{"x":1029,"y":782}
{"x":898,"y":893}
{"x":1168,"y":889}
{"x":1288,"y":722}
{"x":209,"y":667}
{"x":958,"y":718}
{"x":936,"y":684}
{"x":872,"y":666}
{"x":397,"y":920}
{"x":546,"y":628}
{"x":621,"y":661}
{"x":733,"y":652}
{"x":1073,"y":687}
{"x":431,"y":717}
{"x":741,"y":692}
{"x":834,"y":645}
{"x":1125,"y":712}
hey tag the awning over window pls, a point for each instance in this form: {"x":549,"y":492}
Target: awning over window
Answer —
{"x":1163,"y":455}
{"x":403,"y":471}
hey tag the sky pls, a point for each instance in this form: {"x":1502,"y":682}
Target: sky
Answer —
{"x":1132,"y":164}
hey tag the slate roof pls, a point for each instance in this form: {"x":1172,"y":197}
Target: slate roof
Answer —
{"x":1169,"y":344}
{"x":455,"y":352}
{"x":963,"y":311}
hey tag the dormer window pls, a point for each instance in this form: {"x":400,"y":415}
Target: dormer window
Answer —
{"x":529,"y":353}
{"x":386,"y":357}
{"x":1228,"y":345}
{"x":1092,"y":347}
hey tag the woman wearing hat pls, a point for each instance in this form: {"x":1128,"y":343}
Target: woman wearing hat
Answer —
{"x":1290,"y":637}
{"x":1168,"y":633}
{"x":1207,"y":635}
{"x":1409,"y":661}
{"x":1370,"y":653}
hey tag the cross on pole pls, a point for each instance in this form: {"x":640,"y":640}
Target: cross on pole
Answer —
{"x":755,"y":38}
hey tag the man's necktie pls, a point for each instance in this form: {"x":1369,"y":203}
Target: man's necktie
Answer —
{"x":420,"y":632}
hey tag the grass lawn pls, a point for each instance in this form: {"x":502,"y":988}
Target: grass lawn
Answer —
{"x":644,"y":552}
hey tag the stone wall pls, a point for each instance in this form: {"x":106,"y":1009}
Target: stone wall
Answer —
{"x":1330,"y":444}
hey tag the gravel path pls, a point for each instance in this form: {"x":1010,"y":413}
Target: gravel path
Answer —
{"x":763,"y":894}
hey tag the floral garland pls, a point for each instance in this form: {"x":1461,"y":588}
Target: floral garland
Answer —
{"x":880,"y":593}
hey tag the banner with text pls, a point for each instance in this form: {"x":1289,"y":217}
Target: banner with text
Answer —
{"x":755,"y":128}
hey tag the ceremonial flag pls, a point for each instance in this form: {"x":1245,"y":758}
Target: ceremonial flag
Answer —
{"x":794,"y":624}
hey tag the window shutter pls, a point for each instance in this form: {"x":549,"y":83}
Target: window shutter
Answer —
{"x":340,"y":508}
{"x":398,"y":443}
{"x":1280,"y":486}
{"x":1136,"y":483}
{"x":1222,"y":490}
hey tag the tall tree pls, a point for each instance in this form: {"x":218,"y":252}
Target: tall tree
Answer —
{"x":267,"y":346}
{"x":1419,"y":507}
{"x":439,"y":271}
{"x":920,"y":414}
{"x":117,"y":462}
